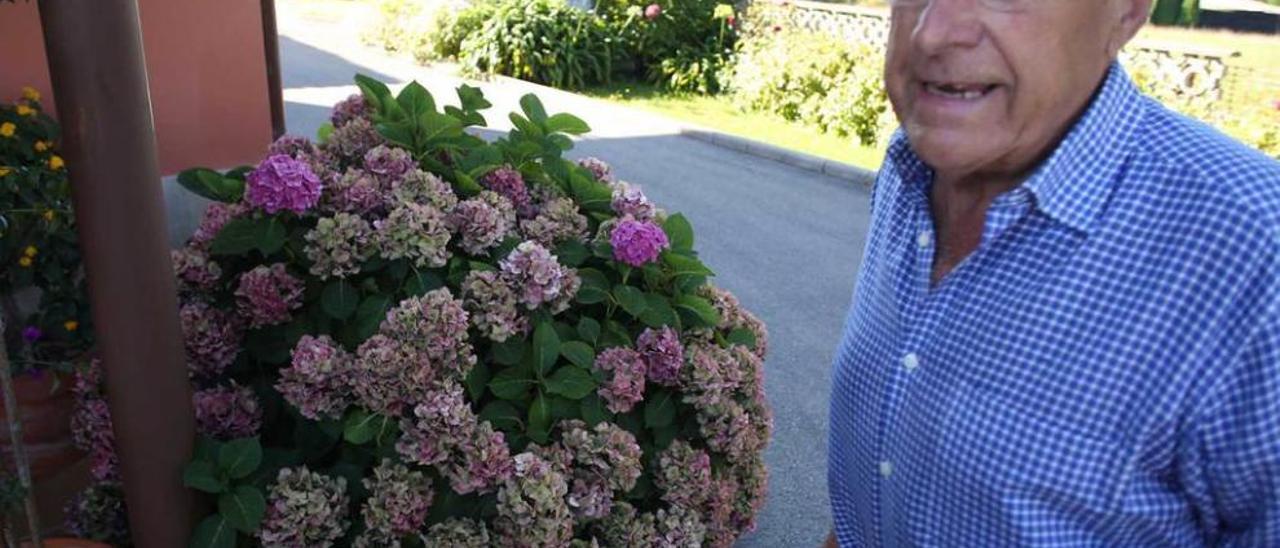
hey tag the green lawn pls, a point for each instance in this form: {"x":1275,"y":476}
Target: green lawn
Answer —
{"x":718,"y":114}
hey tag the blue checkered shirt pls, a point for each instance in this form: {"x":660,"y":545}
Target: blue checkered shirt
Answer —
{"x":1104,"y":369}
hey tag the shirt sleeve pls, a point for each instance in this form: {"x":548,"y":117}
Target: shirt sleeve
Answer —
{"x":1231,"y":471}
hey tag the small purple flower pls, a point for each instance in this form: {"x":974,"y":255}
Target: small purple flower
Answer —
{"x":637,"y":242}
{"x":31,"y":334}
{"x":663,"y":355}
{"x":282,"y":183}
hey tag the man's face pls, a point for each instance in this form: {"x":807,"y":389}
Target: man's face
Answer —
{"x":989,"y":86}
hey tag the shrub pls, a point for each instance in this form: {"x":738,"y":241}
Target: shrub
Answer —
{"x":543,"y":41}
{"x":418,"y":336}
{"x":681,"y":46}
{"x":397,"y":27}
{"x":42,"y":287}
{"x":449,"y":28}
{"x":809,"y":78}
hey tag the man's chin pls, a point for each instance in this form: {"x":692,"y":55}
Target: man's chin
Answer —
{"x":949,"y":150}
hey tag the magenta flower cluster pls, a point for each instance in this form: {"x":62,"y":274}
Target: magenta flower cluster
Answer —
{"x":267,"y":295}
{"x":281,"y":183}
{"x":637,"y":243}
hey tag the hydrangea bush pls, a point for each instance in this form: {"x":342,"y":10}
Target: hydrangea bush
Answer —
{"x":405,"y":335}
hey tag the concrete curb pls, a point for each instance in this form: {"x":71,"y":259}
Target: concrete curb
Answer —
{"x":801,"y":160}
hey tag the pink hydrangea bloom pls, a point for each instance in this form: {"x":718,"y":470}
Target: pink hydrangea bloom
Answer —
{"x":684,"y":475}
{"x":482,"y":222}
{"x":293,"y":146}
{"x":349,"y":109}
{"x":227,"y":413}
{"x":493,"y":305}
{"x":637,"y":243}
{"x":435,"y":327}
{"x":337,"y":245}
{"x":352,"y":141}
{"x":532,"y":511}
{"x":268,"y":294}
{"x":416,"y":232}
{"x":389,"y":376}
{"x":281,"y":183}
{"x":215,"y":217}
{"x":388,"y":163}
{"x":557,"y":221}
{"x":356,"y":191}
{"x":92,"y":432}
{"x":399,"y":499}
{"x":624,"y":386}
{"x":598,"y":168}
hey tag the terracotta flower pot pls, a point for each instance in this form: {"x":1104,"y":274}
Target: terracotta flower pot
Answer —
{"x":46,"y":424}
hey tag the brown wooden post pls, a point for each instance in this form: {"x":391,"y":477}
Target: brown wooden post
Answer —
{"x":271,"y":47}
{"x":100,"y":85}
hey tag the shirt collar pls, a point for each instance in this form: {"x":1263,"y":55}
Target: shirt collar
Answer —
{"x":1073,"y":183}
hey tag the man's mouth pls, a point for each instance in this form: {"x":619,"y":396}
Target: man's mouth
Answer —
{"x":959,"y":90}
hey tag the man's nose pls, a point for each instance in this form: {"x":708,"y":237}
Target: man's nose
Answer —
{"x":947,"y":24}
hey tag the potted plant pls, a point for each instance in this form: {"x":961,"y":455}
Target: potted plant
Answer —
{"x":406,"y":335}
{"x":42,"y":290}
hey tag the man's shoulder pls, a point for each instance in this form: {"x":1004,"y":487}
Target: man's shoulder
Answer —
{"x":1178,"y":156}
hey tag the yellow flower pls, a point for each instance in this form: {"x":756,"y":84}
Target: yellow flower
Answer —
{"x":30,"y":251}
{"x":55,"y":162}
{"x":41,"y":146}
{"x":7,"y":129}
{"x":25,"y":262}
{"x":5,"y":171}
{"x":71,"y":325}
{"x":29,"y":93}
{"x":48,"y":215}
{"x":24,"y":110}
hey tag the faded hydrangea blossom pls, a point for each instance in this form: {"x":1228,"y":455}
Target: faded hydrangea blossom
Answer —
{"x":91,"y":432}
{"x":353,"y":140}
{"x":304,"y":509}
{"x":457,"y":533}
{"x":663,"y":355}
{"x":227,"y":412}
{"x":317,"y":380}
{"x":630,"y":201}
{"x":389,"y":377}
{"x":624,"y":387}
{"x":492,"y":303}
{"x":598,"y":168}
{"x":194,"y":269}
{"x":627,"y":527}
{"x":445,"y":432}
{"x":535,"y":273}
{"x":711,"y":374}
{"x":482,"y":222}
{"x":684,"y":474}
{"x":415,"y":232}
{"x":356,"y":191}
{"x":733,"y":316}
{"x":399,"y":499}
{"x":531,"y":506}
{"x":421,"y":187}
{"x":433,"y":326}
{"x":349,"y":109}
{"x":388,"y":163}
{"x":211,"y":337}
{"x":558,"y":221}
{"x":267,"y":295}
{"x":679,"y":527}
{"x":605,"y":460}
{"x":510,"y":184}
{"x":293,"y":146}
{"x":728,"y":430}
{"x":99,"y":513}
{"x":215,"y":217}
{"x":337,"y":246}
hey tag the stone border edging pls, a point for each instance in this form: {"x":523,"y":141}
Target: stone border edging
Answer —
{"x":801,"y":160}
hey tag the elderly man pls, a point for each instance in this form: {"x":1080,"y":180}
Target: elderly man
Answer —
{"x":1066,"y":329}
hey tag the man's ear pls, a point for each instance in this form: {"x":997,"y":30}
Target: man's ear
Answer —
{"x":1129,"y":16}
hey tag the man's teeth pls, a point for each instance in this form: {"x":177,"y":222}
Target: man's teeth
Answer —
{"x":957,"y":91}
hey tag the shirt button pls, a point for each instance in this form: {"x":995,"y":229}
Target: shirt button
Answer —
{"x":911,"y":361}
{"x":886,"y":468}
{"x":924,"y":239}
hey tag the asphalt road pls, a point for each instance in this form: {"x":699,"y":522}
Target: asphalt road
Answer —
{"x":786,"y":241}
